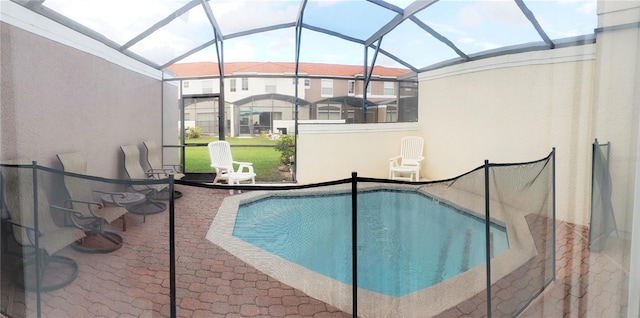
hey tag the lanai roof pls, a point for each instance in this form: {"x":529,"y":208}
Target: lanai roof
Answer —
{"x":416,"y":35}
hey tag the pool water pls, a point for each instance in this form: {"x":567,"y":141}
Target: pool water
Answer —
{"x":406,"y":240}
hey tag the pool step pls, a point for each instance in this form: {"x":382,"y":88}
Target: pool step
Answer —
{"x":442,"y":258}
{"x":466,"y":250}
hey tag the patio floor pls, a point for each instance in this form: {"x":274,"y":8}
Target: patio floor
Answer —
{"x":134,"y":280}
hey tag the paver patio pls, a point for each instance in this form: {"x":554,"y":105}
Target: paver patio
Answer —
{"x":134,"y":280}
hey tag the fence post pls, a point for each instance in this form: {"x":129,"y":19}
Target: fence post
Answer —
{"x":487,"y":227}
{"x":34,"y":171}
{"x":172,"y":247}
{"x":553,"y":208}
{"x":354,"y":241}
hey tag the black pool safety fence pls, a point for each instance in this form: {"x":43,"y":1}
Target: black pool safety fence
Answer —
{"x":602,"y":221}
{"x":482,"y":243}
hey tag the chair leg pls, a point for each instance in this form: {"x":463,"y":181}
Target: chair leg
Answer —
{"x":55,"y":272}
{"x":98,"y":242}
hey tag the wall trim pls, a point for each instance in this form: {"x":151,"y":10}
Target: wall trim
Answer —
{"x":560,"y":55}
{"x":307,"y":129}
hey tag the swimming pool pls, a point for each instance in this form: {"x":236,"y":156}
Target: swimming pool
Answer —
{"x":428,"y":301}
{"x":406,"y":240}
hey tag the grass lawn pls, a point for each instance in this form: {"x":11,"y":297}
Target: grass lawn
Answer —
{"x":265,"y":158}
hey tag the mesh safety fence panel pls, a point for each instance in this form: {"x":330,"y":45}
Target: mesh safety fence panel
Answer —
{"x":415,"y":249}
{"x":602,"y":221}
{"x":522,"y":196}
{"x":422,"y":246}
{"x":278,"y":252}
{"x":442,"y":239}
{"x":104,"y":245}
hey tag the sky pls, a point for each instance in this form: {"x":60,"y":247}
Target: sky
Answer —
{"x":473,"y":26}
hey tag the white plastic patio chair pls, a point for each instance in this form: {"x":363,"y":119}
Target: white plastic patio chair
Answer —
{"x":406,"y":166}
{"x":222,"y":161}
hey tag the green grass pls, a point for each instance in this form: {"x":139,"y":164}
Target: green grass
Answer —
{"x":265,"y":159}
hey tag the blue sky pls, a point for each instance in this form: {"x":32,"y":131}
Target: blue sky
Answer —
{"x":473,"y":26}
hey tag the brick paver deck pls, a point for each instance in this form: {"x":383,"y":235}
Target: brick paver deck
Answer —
{"x":134,"y":280}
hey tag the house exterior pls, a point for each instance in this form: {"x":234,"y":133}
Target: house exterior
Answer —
{"x":259,"y":94}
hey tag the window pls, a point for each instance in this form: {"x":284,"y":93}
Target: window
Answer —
{"x":388,"y":88}
{"x":392,"y":114}
{"x":351,"y":116}
{"x":185,"y":84}
{"x":307,"y":83}
{"x":327,"y":111}
{"x":269,"y":88}
{"x":232,"y":85}
{"x":270,"y":85}
{"x":207,"y":86}
{"x":245,"y":84}
{"x":351,"y":88}
{"x":206,"y":116}
{"x":326,"y":88}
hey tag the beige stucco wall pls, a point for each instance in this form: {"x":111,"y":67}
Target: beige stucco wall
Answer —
{"x":513,"y":108}
{"x":55,"y":99}
{"x":617,"y":101}
{"x":332,"y":152}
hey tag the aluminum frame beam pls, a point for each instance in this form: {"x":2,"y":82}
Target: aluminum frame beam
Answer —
{"x":412,"y":9}
{"x":525,"y":10}
{"x":160,"y":24}
{"x":439,"y":37}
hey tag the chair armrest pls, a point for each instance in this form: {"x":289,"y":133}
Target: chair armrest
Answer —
{"x":159,"y":172}
{"x":89,"y":204}
{"x":244,"y":165}
{"x":173,"y":168}
{"x":113,"y":197}
{"x":394,"y":161}
{"x":73,"y":215}
{"x":30,"y":231}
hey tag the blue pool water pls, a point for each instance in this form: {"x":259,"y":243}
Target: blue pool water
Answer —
{"x":406,"y":241}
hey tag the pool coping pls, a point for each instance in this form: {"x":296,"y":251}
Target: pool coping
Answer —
{"x":427,"y":302}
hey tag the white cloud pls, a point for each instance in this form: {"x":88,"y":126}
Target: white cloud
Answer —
{"x":326,"y":3}
{"x":505,"y":12}
{"x":254,"y":14}
{"x":240,"y":51}
{"x":481,"y":45}
{"x":445,"y":28}
{"x":119,"y":20}
{"x":582,"y":6}
{"x":466,"y":40}
{"x":470,"y":16}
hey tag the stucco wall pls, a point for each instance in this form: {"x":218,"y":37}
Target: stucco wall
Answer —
{"x":56,"y":99}
{"x":331,"y":152}
{"x":511,"y":109}
{"x":617,"y":101}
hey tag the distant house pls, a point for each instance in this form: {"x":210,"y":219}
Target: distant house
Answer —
{"x":258,"y":93}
